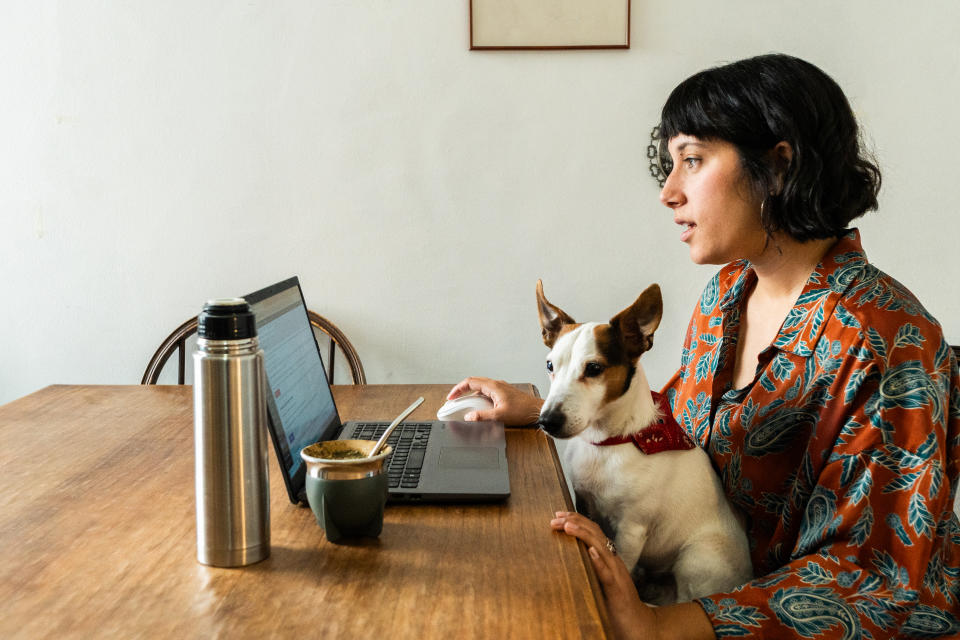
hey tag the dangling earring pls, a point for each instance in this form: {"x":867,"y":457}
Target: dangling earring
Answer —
{"x":763,"y":206}
{"x":765,"y":226}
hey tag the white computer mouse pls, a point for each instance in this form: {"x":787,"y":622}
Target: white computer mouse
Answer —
{"x":456,"y":409}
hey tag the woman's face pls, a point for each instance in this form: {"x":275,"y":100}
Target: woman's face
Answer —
{"x":711,"y":200}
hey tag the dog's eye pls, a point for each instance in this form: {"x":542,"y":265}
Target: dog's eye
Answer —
{"x":550,"y":366}
{"x":593,"y":369}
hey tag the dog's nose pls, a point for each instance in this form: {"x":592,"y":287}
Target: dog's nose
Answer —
{"x":552,"y":421}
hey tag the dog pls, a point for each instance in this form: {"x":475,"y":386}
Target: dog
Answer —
{"x":664,"y":509}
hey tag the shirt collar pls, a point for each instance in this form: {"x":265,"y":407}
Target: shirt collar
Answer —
{"x":843,"y":264}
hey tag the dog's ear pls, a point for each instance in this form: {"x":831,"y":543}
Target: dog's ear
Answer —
{"x":637,"y":322}
{"x":552,"y":318}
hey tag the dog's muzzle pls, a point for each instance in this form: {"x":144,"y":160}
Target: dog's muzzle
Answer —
{"x":553,"y":422}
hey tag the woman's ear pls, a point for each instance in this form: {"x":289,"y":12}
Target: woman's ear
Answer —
{"x":780,"y":157}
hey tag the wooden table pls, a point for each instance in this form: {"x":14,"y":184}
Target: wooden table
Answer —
{"x":97,"y":531}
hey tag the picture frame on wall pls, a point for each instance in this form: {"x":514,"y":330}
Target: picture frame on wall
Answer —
{"x":549,"y":24}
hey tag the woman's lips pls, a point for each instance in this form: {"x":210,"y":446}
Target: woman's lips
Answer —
{"x":688,"y":228}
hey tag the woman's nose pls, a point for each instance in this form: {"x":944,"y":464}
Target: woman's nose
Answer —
{"x":671,"y":195}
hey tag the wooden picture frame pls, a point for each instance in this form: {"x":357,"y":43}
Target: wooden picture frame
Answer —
{"x":549,"y":24}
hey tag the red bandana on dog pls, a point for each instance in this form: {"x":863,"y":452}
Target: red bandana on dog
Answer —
{"x":663,"y":435}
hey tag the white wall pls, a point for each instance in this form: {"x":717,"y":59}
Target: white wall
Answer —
{"x":156,"y":154}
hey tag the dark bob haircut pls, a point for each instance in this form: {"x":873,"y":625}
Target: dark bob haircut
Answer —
{"x":758,"y":102}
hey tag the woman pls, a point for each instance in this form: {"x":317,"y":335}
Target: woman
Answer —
{"x":822,"y":390}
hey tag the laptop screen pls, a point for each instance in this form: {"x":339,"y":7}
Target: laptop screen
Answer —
{"x":299,"y":399}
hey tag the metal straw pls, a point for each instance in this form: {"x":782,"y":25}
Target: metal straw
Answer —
{"x":393,"y":425}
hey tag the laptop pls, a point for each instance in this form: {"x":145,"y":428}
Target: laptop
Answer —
{"x":431,"y":461}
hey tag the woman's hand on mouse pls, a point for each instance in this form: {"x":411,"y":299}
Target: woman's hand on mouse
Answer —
{"x":511,"y":406}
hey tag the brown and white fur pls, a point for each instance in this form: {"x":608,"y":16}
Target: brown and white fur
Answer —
{"x":666,"y":513}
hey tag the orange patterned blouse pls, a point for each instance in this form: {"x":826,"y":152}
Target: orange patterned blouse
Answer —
{"x":843,"y":453}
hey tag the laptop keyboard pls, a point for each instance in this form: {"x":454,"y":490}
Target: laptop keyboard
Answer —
{"x":409,"y":442}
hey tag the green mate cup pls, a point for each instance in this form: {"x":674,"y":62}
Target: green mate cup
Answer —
{"x":347,"y":491}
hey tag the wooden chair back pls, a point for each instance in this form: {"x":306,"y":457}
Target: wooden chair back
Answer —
{"x":329,"y":338}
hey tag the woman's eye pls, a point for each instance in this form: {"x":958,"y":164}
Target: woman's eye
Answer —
{"x":691,"y":162}
{"x":549,"y":366}
{"x":593,"y":369}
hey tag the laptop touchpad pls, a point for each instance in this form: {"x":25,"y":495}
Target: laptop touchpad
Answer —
{"x":469,"y":458}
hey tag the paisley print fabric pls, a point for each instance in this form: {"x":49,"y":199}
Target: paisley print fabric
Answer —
{"x":843,"y":453}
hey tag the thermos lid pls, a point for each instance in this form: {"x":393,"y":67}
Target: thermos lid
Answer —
{"x":226,"y":319}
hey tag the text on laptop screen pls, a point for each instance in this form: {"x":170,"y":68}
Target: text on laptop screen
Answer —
{"x":297,"y":384}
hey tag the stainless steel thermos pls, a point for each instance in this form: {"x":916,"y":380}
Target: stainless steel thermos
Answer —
{"x":230,"y":436}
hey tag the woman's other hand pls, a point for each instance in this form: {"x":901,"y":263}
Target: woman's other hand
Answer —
{"x":629,"y":616}
{"x":511,"y":406}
